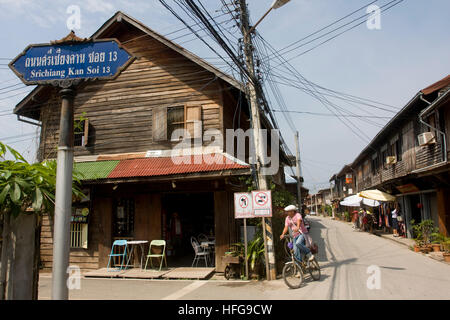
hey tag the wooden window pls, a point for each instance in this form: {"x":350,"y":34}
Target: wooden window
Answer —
{"x":79,"y":235}
{"x":175,"y":120}
{"x":81,"y":133}
{"x":124,"y":217}
{"x":167,"y":120}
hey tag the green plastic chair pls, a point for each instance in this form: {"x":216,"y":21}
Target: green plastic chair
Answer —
{"x":150,"y":255}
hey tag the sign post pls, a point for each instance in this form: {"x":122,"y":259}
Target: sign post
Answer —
{"x":257,"y":204}
{"x":243,"y":209}
{"x":262,"y":207}
{"x":65,"y":63}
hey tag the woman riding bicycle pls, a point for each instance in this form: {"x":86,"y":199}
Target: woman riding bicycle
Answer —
{"x":294,"y":224}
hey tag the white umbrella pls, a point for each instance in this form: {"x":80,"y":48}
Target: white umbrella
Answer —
{"x":357,"y":201}
{"x":376,"y":195}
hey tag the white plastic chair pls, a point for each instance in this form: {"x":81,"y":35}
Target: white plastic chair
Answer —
{"x":200,"y":253}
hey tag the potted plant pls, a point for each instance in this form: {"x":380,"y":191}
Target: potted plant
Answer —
{"x":423,"y":238}
{"x":446,"y":246}
{"x":437,"y":240}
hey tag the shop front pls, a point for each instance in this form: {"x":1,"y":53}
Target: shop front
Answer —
{"x":178,"y":209}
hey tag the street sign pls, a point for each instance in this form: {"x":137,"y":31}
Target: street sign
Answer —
{"x":243,"y":206}
{"x":262,"y":203}
{"x":65,"y":63}
{"x":50,"y":63}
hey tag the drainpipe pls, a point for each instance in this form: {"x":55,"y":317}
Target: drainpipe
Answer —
{"x":431,"y":106}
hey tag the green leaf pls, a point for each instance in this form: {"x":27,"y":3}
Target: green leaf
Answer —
{"x":37,"y":200}
{"x":7,"y":174}
{"x":16,"y":154}
{"x":22,"y":183}
{"x":4,"y":193}
{"x":15,"y":197}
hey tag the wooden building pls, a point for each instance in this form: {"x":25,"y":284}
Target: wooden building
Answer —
{"x":124,"y":144}
{"x":409,"y":158}
{"x":343,"y":183}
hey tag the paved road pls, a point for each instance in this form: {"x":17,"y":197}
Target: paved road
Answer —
{"x":345,"y":256}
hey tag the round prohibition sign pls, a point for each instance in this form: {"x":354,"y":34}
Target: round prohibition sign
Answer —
{"x":261,"y":199}
{"x":243,"y":202}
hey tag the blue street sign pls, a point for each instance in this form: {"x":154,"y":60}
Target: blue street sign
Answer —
{"x":46,"y":63}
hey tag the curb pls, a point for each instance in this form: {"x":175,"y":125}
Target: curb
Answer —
{"x":393,"y":240}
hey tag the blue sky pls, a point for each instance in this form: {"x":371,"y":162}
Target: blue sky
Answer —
{"x":390,"y":65}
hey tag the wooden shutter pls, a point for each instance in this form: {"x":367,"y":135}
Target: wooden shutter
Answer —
{"x":159,"y":124}
{"x":85,"y":139}
{"x":193,"y":116}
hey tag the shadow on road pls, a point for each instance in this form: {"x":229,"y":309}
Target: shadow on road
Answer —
{"x":315,"y":233}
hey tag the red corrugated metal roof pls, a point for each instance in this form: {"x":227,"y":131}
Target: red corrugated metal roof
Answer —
{"x":167,"y":166}
{"x":437,"y":86}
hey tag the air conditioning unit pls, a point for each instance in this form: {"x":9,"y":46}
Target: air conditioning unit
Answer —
{"x":391,"y":160}
{"x":426,"y":138}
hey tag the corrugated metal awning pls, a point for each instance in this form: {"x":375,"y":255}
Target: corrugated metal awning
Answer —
{"x":156,"y":166}
{"x":149,"y":167}
{"x":94,"y":170}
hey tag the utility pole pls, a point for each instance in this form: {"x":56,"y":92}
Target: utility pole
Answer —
{"x":298,"y":171}
{"x":257,"y":135}
{"x":331,"y":200}
{"x":315,"y":201}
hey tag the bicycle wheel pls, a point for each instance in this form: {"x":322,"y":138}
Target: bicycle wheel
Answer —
{"x":227,"y":273}
{"x":292,"y":275}
{"x":314,"y":269}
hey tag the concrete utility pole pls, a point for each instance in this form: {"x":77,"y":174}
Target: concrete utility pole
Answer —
{"x":331,"y":200}
{"x":63,"y":201}
{"x":298,"y":167}
{"x":257,"y":135}
{"x":315,"y":198}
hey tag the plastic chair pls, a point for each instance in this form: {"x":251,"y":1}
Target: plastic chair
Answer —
{"x":118,"y":243}
{"x":202,"y":238}
{"x":150,"y":255}
{"x":200,"y":253}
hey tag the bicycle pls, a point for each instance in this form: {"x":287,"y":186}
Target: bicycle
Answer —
{"x":294,"y":270}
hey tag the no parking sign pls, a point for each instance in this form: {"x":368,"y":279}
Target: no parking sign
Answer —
{"x":243,"y":206}
{"x":262,"y":203}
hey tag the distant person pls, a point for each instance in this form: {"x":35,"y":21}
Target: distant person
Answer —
{"x":394,"y":215}
{"x":355,"y":219}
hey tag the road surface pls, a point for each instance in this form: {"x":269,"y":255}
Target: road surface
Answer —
{"x":344,"y":255}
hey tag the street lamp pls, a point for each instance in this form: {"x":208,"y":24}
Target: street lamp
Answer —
{"x":275,"y":5}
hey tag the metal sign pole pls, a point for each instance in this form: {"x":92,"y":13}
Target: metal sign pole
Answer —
{"x":63,"y":201}
{"x":266,"y":254}
{"x":245,"y":248}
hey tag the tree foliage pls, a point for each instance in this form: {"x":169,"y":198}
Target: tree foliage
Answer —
{"x":24,"y":185}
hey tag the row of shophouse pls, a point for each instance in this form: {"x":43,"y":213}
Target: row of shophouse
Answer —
{"x":408,"y":158}
{"x":124,"y":150}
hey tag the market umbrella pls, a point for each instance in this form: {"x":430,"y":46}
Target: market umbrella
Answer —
{"x":376,"y":195}
{"x":357,"y":201}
